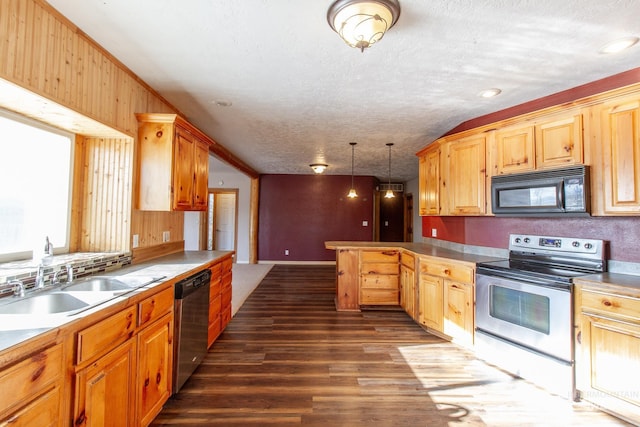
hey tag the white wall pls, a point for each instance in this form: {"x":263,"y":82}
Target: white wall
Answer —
{"x":413,"y":188}
{"x":223,"y":176}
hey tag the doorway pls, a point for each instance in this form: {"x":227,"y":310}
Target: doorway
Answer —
{"x":220,"y":227}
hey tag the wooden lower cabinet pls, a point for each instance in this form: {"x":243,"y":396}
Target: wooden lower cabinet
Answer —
{"x":30,"y":390}
{"x":608,"y":350}
{"x":124,"y":362}
{"x":431,"y":297}
{"x":379,"y":277}
{"x":459,"y":312}
{"x":105,"y":389}
{"x":220,"y":294}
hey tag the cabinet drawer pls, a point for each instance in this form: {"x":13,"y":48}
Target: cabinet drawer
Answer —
{"x":227,"y":265}
{"x":106,"y":334}
{"x":226,"y":296}
{"x":216,"y":271}
{"x":371,"y":268}
{"x":213,"y":331}
{"x":22,"y":381}
{"x":215,"y":287}
{"x":156,"y":306}
{"x":459,"y":273}
{"x":379,"y":281}
{"x":408,"y":260}
{"x":214,"y":308}
{"x":379,"y":256}
{"x":379,"y":297}
{"x":601,"y":303}
{"x":42,"y":412}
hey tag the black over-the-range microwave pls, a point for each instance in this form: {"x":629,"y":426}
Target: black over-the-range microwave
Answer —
{"x":553,"y":192}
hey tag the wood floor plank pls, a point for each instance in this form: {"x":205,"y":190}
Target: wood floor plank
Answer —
{"x":288,"y":358}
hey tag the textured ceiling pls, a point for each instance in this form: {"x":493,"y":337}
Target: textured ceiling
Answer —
{"x":299,"y":94}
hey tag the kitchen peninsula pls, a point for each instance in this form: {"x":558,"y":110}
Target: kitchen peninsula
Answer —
{"x":433,"y":284}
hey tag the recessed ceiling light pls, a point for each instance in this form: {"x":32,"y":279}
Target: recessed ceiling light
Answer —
{"x":619,"y":45}
{"x":221,"y":102}
{"x":490,"y":93}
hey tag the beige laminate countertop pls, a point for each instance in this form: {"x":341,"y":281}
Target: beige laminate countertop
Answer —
{"x":417,"y":248}
{"x":623,"y":284}
{"x":16,"y":329}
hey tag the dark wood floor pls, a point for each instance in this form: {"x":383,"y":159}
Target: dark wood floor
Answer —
{"x":288,"y":358}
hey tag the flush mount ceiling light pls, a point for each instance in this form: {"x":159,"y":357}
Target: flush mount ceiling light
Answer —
{"x":490,"y":93}
{"x":352,"y":192}
{"x":619,"y":45}
{"x":318,"y":167}
{"x":389,"y":194}
{"x":361,"y":23}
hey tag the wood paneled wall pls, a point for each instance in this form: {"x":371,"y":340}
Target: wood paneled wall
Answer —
{"x":46,"y":55}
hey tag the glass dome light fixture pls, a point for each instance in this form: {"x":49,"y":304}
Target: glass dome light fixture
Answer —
{"x":362,"y":23}
{"x":352,"y":191}
{"x":318,"y":167}
{"x":389,"y":193}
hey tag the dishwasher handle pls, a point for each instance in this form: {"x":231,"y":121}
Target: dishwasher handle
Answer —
{"x":192,"y":283}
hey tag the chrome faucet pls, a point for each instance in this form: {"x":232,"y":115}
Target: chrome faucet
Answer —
{"x":40,"y":277}
{"x":69,"y":273}
{"x":18,"y":287}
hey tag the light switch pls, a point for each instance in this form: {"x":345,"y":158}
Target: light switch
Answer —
{"x":136,"y":241}
{"x":434,"y":232}
{"x":365,"y":223}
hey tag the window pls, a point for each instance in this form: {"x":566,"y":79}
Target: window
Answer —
{"x":35,"y":189}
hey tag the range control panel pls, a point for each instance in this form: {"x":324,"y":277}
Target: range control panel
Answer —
{"x":573,"y":246}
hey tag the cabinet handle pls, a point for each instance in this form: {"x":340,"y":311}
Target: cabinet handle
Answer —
{"x":98,"y":379}
{"x":579,"y":337}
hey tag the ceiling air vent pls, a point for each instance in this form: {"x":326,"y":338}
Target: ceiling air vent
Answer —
{"x":396,"y":188}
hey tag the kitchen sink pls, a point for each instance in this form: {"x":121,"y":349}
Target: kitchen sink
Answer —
{"x":52,"y":303}
{"x":97,"y":284}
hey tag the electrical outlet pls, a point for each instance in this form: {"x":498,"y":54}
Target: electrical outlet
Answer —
{"x":434,"y":232}
{"x":165,"y":236}
{"x":286,"y":252}
{"x":136,"y":241}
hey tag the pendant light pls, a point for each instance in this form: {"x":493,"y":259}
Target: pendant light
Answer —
{"x":389,"y":194}
{"x":352,"y":192}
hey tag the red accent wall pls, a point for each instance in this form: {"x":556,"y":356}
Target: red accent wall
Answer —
{"x":622,"y":233}
{"x":301,"y":212}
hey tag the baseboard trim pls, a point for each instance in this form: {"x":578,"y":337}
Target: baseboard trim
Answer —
{"x":298,"y":262}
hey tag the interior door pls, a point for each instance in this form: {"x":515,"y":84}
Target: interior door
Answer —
{"x":225,"y":224}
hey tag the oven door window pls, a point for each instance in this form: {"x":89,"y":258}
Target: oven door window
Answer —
{"x":521,"y":308}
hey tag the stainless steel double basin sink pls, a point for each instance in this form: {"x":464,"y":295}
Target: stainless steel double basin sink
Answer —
{"x":71,"y":298}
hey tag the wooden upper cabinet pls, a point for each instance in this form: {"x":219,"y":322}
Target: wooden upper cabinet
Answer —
{"x":465,"y":183}
{"x":515,"y":150}
{"x":173,"y":159}
{"x":621,"y":156}
{"x":559,"y":142}
{"x":429,"y":178}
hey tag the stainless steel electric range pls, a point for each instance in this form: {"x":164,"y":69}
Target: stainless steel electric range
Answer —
{"x":524,"y":307}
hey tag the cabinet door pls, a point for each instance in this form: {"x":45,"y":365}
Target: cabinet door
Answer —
{"x":183,"y":174}
{"x":621,"y":157}
{"x":408,"y":290}
{"x":610,"y":353}
{"x":201,"y":186}
{"x":559,"y":142}
{"x":154,"y":368}
{"x":430,"y":306}
{"x":430,"y":183}
{"x":41,"y":412}
{"x":458,"y":311}
{"x":105,"y":389}
{"x":515,"y":150}
{"x":466,"y":182}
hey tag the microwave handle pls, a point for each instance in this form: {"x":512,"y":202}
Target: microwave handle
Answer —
{"x":561,"y":195}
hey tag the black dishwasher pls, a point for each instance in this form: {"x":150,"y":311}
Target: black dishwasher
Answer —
{"x":191,"y":326}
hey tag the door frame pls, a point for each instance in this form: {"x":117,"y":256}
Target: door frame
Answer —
{"x":203,"y":218}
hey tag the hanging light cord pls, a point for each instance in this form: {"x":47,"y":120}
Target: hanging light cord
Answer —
{"x":353,"y":147}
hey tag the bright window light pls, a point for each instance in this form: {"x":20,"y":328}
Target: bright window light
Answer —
{"x":35,"y":189}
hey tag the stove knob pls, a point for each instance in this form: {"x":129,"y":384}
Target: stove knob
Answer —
{"x":588,"y":246}
{"x":518,"y":240}
{"x":527,"y":240}
{"x":575,"y":244}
